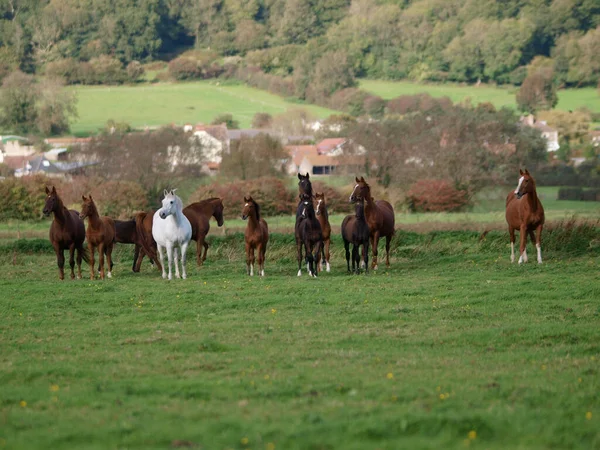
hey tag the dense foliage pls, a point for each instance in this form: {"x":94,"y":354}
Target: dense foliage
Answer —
{"x":325,"y":41}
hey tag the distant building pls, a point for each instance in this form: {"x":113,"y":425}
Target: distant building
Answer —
{"x":548,"y":132}
{"x":325,"y":158}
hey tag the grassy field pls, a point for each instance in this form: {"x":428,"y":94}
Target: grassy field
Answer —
{"x":451,"y":347}
{"x":568,"y":99}
{"x":179,"y":103}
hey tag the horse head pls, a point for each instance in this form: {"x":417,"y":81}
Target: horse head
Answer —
{"x":304,"y":185}
{"x":87,"y":207}
{"x":218,"y":212}
{"x":361,"y":190}
{"x":170,"y":205}
{"x":307,"y":206}
{"x":320,"y":202}
{"x":52,"y":201}
{"x":526,"y":184}
{"x":249,"y":206}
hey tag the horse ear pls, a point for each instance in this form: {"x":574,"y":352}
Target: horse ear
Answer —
{"x":357,"y":180}
{"x":47,"y":190}
{"x":83,"y":197}
{"x":165,"y":193}
{"x":90,"y":196}
{"x":526,"y":172}
{"x":245,"y":199}
{"x":362,"y":179}
{"x":307,"y":175}
{"x":521,"y":172}
{"x":53,"y":190}
{"x":299,"y":176}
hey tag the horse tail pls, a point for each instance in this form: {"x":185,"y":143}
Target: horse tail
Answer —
{"x":142,"y":237}
{"x":85,"y":254}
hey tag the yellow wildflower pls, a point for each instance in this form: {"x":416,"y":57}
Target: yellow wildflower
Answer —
{"x":588,"y":415}
{"x":54,"y":388}
{"x":390,"y":376}
{"x":472,"y":434}
{"x":244,"y":440}
{"x":23,"y":403}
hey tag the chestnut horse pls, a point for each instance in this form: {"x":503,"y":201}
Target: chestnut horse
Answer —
{"x":199,"y":214}
{"x":380,"y":218}
{"x":355,"y":231}
{"x":66,"y":231}
{"x":100,"y":234}
{"x":323,"y":217}
{"x":256,"y":236}
{"x":524,"y":212}
{"x":309,"y":236}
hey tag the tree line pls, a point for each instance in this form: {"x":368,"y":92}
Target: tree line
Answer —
{"x":435,"y":40}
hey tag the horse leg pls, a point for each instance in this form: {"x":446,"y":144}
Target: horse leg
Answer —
{"x":374,"y":244}
{"x":538,"y":242}
{"x":92,"y":262}
{"x":199,"y":246}
{"x":136,"y":255}
{"x":523,"y":244}
{"x":101,"y":260}
{"x":318,"y":252}
{"x":347,"y":247}
{"x":79,"y":259}
{"x":137,"y":263}
{"x":262,"y":248}
{"x":388,"y":241}
{"x":60,"y":260}
{"x":299,"y":254}
{"x":175,"y":261}
{"x":184,"y":247}
{"x":109,"y":261}
{"x":252,"y":260}
{"x":170,"y":259}
{"x":366,"y":255}
{"x":72,"y":260}
{"x":355,"y":263}
{"x":327,"y":255}
{"x":309,"y":260}
{"x":205,"y":245}
{"x":511,"y":232}
{"x":161,"y":256}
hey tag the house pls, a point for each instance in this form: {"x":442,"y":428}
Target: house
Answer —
{"x":15,"y":147}
{"x":331,"y":146}
{"x":595,"y":138}
{"x":67,"y":141}
{"x":547,"y":131}
{"x":39,"y":164}
{"x":297,"y":154}
{"x":308,"y":159}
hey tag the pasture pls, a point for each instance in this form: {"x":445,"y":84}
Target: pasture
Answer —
{"x":451,"y":347}
{"x":568,"y":99}
{"x":165,"y":103}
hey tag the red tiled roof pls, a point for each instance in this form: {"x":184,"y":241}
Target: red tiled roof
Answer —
{"x":326,"y":145}
{"x":298,"y":152}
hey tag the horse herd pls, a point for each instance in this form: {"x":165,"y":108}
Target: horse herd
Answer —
{"x":171,"y":228}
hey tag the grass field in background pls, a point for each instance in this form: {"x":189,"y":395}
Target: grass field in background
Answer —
{"x":179,"y":103}
{"x":451,"y":347}
{"x":568,"y":99}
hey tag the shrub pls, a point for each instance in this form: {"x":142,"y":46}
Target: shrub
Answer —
{"x":570,"y":193}
{"x":591,"y":195}
{"x":349,"y":100}
{"x":68,"y":69}
{"x":185,"y":69}
{"x":119,"y":199}
{"x":135,"y":70}
{"x":107,"y":70}
{"x":436,"y":196}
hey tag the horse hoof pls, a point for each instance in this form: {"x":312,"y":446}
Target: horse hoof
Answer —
{"x":262,"y":273}
{"x":184,"y":277}
{"x":300,"y":273}
{"x":164,"y":275}
{"x":328,"y":268}
{"x":109,"y":275}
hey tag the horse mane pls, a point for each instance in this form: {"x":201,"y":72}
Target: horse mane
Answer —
{"x":208,"y":200}
{"x":257,"y":211}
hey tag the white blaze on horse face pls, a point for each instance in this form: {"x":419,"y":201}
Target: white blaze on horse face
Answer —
{"x":519,"y":185}
{"x":318,"y":211}
{"x":353,"y":191}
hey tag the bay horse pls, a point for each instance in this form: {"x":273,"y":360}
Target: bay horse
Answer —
{"x":256,"y":236}
{"x":128,"y":232}
{"x":304,"y":190}
{"x":199,"y":214}
{"x":355,"y":231}
{"x":524,"y":212}
{"x":310,"y":236}
{"x":171,"y":230}
{"x":323,"y":217}
{"x":100,"y":234}
{"x":67,"y":231}
{"x":380,"y":218}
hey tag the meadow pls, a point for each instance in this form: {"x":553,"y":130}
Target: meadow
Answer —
{"x":450,"y":347}
{"x":568,"y":99}
{"x":165,"y":103}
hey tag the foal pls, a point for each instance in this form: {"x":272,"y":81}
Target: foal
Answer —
{"x":524,"y":212}
{"x":309,"y":235}
{"x":323,"y":217}
{"x":256,"y":236}
{"x":355,"y":231}
{"x":100,"y":234}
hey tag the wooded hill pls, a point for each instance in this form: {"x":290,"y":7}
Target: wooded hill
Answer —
{"x":436,"y":40}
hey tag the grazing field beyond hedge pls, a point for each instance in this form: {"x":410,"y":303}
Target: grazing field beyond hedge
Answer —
{"x":451,"y":347}
{"x":178,"y":103}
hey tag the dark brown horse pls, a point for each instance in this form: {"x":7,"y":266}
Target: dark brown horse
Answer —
{"x":199,"y":214}
{"x":323,"y":217}
{"x":309,"y":236}
{"x":67,"y":231}
{"x":100,"y":234}
{"x":127,"y":232}
{"x":380,"y":218}
{"x":524,"y":212}
{"x":256,"y":236}
{"x":304,"y":192}
{"x":355,"y":231}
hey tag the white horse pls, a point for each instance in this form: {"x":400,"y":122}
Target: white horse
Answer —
{"x":171,"y":230}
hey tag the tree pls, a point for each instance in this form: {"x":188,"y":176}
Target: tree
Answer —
{"x":333,"y":72}
{"x":17,"y":103}
{"x":55,"y":107}
{"x":228,"y":120}
{"x":254,"y":157}
{"x":537,"y":93}
{"x":262,"y":120}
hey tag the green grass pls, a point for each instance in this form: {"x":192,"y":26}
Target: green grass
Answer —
{"x":452,"y":347}
{"x":568,"y":99}
{"x":179,"y":103}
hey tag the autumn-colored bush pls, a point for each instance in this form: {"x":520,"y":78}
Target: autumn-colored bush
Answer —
{"x":271,"y":194}
{"x":435,"y":196}
{"x":185,"y":69}
{"x":337,"y":200}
